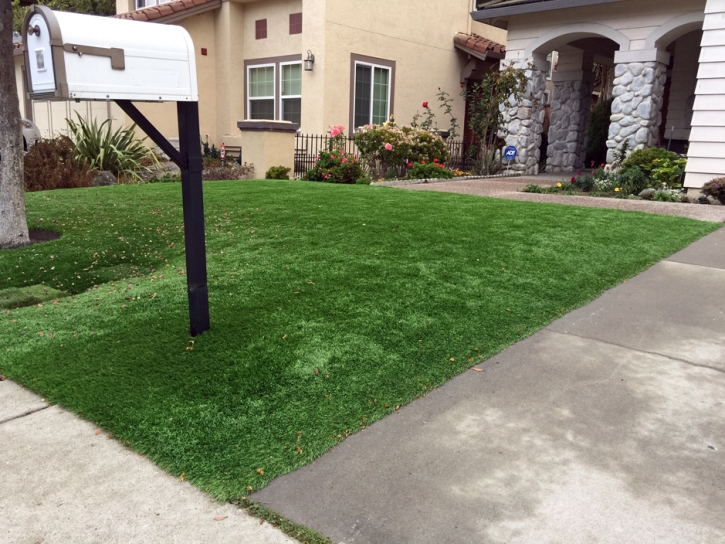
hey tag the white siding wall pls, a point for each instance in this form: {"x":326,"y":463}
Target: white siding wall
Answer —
{"x":682,"y":89}
{"x":707,"y":138}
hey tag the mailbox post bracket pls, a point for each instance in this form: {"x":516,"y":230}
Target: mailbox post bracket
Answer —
{"x":189,"y":160}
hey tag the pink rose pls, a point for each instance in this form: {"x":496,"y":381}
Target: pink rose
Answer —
{"x":344,"y":160}
{"x":388,"y":147}
{"x":425,"y":104}
{"x":335,"y":132}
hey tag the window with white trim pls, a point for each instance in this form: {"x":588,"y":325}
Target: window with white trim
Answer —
{"x":260,"y":92}
{"x":291,"y":95}
{"x":372,"y":94}
{"x":140,"y":4}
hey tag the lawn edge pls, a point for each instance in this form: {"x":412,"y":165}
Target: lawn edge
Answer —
{"x":288,"y":527}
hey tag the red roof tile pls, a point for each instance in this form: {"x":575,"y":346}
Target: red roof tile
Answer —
{"x":152,"y":13}
{"x":478,"y":43}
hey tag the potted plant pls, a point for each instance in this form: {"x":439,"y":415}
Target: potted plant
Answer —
{"x":715,"y":189}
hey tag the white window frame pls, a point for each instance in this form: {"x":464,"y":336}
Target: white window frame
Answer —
{"x":249,"y":87}
{"x":281,"y":86}
{"x":372,"y":86}
{"x":150,"y":3}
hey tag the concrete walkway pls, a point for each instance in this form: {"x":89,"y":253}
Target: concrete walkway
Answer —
{"x":608,"y":426}
{"x":61,"y":482}
{"x":510,"y":188}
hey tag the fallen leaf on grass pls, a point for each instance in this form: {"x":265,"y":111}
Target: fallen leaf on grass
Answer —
{"x":182,"y":477}
{"x":452,"y":359}
{"x":477,"y":370}
{"x":220,"y":518}
{"x":317,"y":372}
{"x":284,"y":336}
{"x":260,"y":472}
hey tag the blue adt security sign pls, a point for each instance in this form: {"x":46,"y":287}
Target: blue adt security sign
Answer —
{"x":510,"y":153}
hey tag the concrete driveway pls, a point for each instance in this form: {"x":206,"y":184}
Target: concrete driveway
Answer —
{"x":607,"y":426}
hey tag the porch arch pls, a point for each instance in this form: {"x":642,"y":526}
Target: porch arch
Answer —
{"x":675,"y":28}
{"x":565,"y":34}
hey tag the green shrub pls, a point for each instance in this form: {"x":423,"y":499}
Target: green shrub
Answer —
{"x":644,"y":159}
{"x":120,"y":152}
{"x":52,"y":164}
{"x":277,"y":172}
{"x":668,"y":172}
{"x":428,"y":147}
{"x":633,"y":180}
{"x":666,"y":196}
{"x":599,"y":121}
{"x":335,"y":167}
{"x":533,"y":188}
{"x":584,"y":183}
{"x":422,"y":170}
{"x":166,"y":178}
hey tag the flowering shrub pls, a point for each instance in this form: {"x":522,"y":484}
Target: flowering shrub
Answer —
{"x":421,"y":170}
{"x":387,"y":149}
{"x":336,"y":165}
{"x":715,"y":189}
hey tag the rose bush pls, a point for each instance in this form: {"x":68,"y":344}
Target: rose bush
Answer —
{"x":336,"y":165}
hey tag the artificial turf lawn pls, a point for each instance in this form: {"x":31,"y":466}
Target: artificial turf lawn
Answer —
{"x":330,"y":306}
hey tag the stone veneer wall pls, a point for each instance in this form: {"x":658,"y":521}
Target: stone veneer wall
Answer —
{"x":570,"y":105}
{"x":636,"y":110}
{"x":524,"y":122}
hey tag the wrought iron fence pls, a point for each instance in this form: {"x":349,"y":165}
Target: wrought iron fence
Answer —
{"x":308,"y":147}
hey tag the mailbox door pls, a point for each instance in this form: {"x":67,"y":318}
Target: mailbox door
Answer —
{"x":40,"y":57}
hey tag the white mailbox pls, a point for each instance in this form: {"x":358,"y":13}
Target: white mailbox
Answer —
{"x":84,"y":57}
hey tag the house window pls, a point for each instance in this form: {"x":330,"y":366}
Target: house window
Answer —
{"x":260,"y":90}
{"x":260,"y":29}
{"x":291,"y":95}
{"x":372,"y":94}
{"x":140,"y":4}
{"x":295,"y":23}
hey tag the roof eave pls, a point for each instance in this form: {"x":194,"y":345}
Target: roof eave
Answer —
{"x":484,"y":15}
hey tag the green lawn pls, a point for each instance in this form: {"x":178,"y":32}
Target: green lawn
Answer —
{"x":331,"y":305}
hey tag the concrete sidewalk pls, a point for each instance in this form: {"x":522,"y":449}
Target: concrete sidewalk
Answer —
{"x":607,"y":426}
{"x":60,"y":482}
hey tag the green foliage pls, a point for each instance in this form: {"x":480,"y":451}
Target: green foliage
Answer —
{"x":666,"y":196}
{"x":336,"y":165}
{"x":210,"y":152}
{"x":166,"y":178}
{"x":485,"y":100}
{"x":53,"y":164}
{"x":668,"y":172}
{"x":278,"y":172}
{"x":533,"y":188}
{"x":715,"y":189}
{"x":446,"y":104}
{"x":632,"y":181}
{"x":599,"y":121}
{"x":429,"y":171}
{"x":387,"y":149}
{"x":584,"y":183}
{"x":339,"y":262}
{"x":119,"y":151}
{"x":644,"y":159}
{"x":90,"y":7}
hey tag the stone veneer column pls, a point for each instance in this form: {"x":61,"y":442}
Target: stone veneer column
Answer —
{"x":636,"y":110}
{"x":524,"y":121}
{"x":571,"y":101}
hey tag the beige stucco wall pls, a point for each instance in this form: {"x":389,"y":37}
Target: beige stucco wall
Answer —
{"x":265,"y":149}
{"x":420,"y":41}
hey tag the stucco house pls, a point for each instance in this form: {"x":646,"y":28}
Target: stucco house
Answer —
{"x":667,"y":60}
{"x":372,"y":59}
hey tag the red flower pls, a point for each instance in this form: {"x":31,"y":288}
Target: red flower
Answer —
{"x":435,"y":161}
{"x":410,"y":165}
{"x":440,"y":166}
{"x":422,"y":162}
{"x":601,"y":165}
{"x":425,"y":104}
{"x":573,"y":180}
